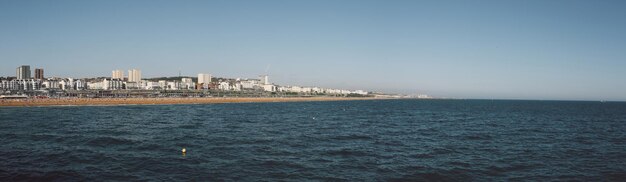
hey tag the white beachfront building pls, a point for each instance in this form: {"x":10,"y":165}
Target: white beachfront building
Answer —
{"x":187,"y":83}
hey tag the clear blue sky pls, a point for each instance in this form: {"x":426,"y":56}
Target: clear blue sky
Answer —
{"x":464,"y":49}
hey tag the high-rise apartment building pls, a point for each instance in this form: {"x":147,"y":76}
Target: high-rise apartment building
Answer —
{"x":117,"y":74}
{"x":39,"y":73}
{"x":134,"y":75}
{"x":204,"y":78}
{"x":23,"y":72}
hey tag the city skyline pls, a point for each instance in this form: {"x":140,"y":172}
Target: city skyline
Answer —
{"x":557,"y":50}
{"x":23,"y":85}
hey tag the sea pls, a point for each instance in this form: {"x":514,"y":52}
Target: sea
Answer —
{"x":363,"y":140}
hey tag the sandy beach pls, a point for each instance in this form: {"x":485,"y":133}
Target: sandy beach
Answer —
{"x":152,"y":101}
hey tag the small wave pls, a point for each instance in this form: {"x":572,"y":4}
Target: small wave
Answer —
{"x":460,"y":164}
{"x":498,"y":170}
{"x":441,"y":151}
{"x":421,"y":156}
{"x":614,"y":176}
{"x":190,"y":126}
{"x":43,"y":137}
{"x":48,"y":176}
{"x":269,"y":164}
{"x":108,"y":141}
{"x":148,"y":146}
{"x":479,"y":136}
{"x":346,"y":153}
{"x":441,"y":175}
{"x":351,"y":137}
{"x":329,"y":178}
{"x":529,"y":130}
{"x":618,"y":141}
{"x":584,"y":140}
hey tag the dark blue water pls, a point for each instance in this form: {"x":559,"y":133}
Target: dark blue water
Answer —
{"x":380,"y":140}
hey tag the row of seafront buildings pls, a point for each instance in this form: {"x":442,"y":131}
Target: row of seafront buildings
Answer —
{"x":23,"y":83}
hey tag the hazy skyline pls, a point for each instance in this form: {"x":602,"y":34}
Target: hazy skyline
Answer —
{"x":563,"y":50}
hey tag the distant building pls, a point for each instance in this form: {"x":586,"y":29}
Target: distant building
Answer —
{"x":134,"y":85}
{"x":80,"y":85}
{"x":105,"y":84}
{"x":360,"y":92}
{"x":265,"y":84}
{"x":50,"y":84}
{"x":17,"y":85}
{"x":172,"y":85}
{"x":186,"y":80}
{"x":316,"y":90}
{"x":249,"y":83}
{"x":162,"y":84}
{"x":187,"y":83}
{"x":117,"y":74}
{"x":269,"y":88}
{"x":67,"y":84}
{"x":152,"y":86}
{"x":23,"y":72}
{"x":224,"y":86}
{"x":134,"y":75}
{"x":423,"y":96}
{"x":95,"y":85}
{"x":204,"y":78}
{"x":264,"y":80}
{"x":113,"y":84}
{"x":39,"y":73}
{"x":296,"y":89}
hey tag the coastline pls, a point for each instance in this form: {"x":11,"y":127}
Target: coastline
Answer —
{"x":163,"y":101}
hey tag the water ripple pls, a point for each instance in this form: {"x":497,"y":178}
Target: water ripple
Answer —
{"x":393,"y":140}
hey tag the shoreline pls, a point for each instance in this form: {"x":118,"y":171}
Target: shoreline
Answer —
{"x":164,"y":101}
